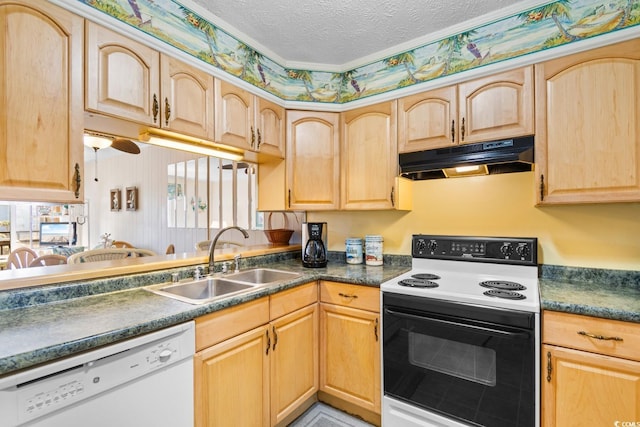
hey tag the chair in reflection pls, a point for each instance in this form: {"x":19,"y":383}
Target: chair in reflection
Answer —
{"x":108,"y":254}
{"x":98,"y":255}
{"x":21,"y":257}
{"x":121,"y":244}
{"x":50,"y":259}
{"x":204,"y":245}
{"x":137,"y":252}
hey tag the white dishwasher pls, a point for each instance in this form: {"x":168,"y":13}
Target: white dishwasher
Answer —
{"x":144,"y":381}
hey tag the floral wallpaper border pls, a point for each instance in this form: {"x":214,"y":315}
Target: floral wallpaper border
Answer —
{"x":554,"y":24}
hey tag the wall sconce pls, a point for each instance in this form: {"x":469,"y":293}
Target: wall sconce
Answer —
{"x":167,"y":139}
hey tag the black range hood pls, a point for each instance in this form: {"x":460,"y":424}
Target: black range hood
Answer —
{"x":504,"y":156}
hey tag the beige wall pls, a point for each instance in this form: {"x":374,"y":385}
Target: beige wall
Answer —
{"x":596,"y":236}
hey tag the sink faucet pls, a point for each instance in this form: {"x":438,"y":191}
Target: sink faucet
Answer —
{"x":212,"y":248}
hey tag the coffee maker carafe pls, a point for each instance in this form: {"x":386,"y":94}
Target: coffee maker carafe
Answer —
{"x":314,"y":244}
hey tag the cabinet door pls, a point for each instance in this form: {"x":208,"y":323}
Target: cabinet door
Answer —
{"x":232,"y":382}
{"x":588,"y":126}
{"x":122,"y":76}
{"x":350,"y":355}
{"x":427,"y":120}
{"x":581,"y":388}
{"x":369,"y":157}
{"x":41,"y":104}
{"x":234,"y":116}
{"x":269,"y":128}
{"x":313,"y":160}
{"x":187,"y":99}
{"x":497,"y":106}
{"x":294,"y":361}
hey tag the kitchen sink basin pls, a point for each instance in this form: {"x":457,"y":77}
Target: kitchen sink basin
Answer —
{"x":207,"y":289}
{"x":263,"y":276}
{"x":202,"y":290}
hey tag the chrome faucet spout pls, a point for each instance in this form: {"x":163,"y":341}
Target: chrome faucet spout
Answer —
{"x":212,"y":247}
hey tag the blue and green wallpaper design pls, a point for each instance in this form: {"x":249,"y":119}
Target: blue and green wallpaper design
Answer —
{"x":554,"y":24}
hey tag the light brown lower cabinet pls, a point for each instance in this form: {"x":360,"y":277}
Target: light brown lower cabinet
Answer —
{"x":257,"y":363}
{"x":590,"y":371}
{"x":350,"y":348}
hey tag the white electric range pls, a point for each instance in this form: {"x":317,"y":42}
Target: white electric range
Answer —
{"x":461,"y":334}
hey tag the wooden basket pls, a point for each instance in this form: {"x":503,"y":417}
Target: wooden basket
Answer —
{"x":278,"y":236}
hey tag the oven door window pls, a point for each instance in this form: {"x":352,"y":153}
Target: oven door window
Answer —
{"x":471,"y":371}
{"x":467,"y":361}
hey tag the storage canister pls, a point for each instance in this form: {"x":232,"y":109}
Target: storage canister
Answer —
{"x":373,"y":249}
{"x":354,"y":250}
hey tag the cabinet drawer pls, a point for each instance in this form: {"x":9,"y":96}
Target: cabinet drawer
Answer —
{"x":355,"y":296}
{"x":288,"y":301}
{"x":224,"y":324}
{"x":589,"y":333}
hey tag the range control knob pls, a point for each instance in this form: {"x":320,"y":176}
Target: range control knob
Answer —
{"x":432,"y":245}
{"x":523,"y":250}
{"x":421,"y":245}
{"x":506,"y":249}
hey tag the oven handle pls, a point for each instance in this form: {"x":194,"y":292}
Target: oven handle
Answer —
{"x":514,"y":335}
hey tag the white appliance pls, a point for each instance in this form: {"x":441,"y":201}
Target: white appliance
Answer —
{"x":461,"y":334}
{"x":145,"y":381}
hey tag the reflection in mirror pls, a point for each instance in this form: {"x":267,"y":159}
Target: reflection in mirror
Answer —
{"x":201,"y":189}
{"x":165,"y":180}
{"x":180,"y":195}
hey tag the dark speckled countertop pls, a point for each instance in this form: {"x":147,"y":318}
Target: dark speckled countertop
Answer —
{"x":610,"y":294}
{"x":42,"y":324}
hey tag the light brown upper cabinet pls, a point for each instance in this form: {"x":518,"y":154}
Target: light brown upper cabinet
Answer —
{"x":588,"y":126}
{"x":247,"y":121}
{"x":129,"y":80}
{"x":494,"y":107}
{"x":313,"y":161}
{"x":369,"y":156}
{"x":41,"y":111}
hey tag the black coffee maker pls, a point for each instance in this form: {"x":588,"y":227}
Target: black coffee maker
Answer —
{"x":314,"y":244}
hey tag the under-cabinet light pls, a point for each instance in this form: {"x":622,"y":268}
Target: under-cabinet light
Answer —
{"x":466,"y":171}
{"x":167,"y":139}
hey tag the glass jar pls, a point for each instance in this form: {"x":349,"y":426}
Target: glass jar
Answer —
{"x":373,"y":249}
{"x":354,"y":250}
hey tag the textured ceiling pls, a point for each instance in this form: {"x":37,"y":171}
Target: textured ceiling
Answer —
{"x":336,"y":32}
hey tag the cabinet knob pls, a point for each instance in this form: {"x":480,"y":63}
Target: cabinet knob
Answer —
{"x":167,"y":111}
{"x":599,"y":337}
{"x":253,"y":138}
{"x":453,"y":131}
{"x":155,"y":108}
{"x":77,"y":180}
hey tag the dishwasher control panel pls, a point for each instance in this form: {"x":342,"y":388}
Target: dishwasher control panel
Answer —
{"x":92,"y":376}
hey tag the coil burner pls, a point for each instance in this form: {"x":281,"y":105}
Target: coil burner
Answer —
{"x":418,"y":283}
{"x":499,"y":293}
{"x":425,"y":276}
{"x":503,"y":285}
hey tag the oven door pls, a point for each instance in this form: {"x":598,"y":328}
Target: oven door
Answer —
{"x":465,"y":364}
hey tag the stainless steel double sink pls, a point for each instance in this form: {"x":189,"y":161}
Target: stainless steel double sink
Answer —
{"x":207,"y":289}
